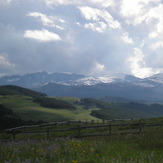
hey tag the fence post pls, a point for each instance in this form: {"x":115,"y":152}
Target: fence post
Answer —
{"x":78,"y":130}
{"x":14,"y":134}
{"x":110,"y":127}
{"x":140,"y":127}
{"x":47,"y":136}
{"x":68,"y":122}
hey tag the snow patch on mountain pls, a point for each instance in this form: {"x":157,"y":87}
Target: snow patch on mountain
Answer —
{"x":106,"y":79}
{"x":42,"y":78}
{"x":90,"y":80}
{"x":13,"y":80}
{"x":158,"y":78}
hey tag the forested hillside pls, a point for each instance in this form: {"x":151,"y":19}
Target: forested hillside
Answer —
{"x":16,"y":90}
{"x":54,"y":103}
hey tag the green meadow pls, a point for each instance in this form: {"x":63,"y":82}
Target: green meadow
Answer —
{"x":24,"y":107}
{"x":36,"y":148}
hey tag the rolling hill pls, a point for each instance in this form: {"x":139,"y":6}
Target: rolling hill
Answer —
{"x":27,"y":105}
{"x":16,"y":90}
{"x":30,"y":107}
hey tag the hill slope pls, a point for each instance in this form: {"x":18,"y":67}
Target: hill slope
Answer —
{"x":37,"y":107}
{"x":8,"y":118}
{"x":16,"y":90}
{"x":122,"y":110}
{"x":31,"y":105}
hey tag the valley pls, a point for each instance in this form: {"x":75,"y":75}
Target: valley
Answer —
{"x":29,"y":105}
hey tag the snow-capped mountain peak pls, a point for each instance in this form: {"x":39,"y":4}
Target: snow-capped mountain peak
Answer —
{"x":158,"y":78}
{"x":78,"y":85}
{"x":42,"y":78}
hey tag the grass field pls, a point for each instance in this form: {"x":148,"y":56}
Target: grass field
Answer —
{"x":28,"y":110}
{"x":37,"y":148}
{"x":143,"y":148}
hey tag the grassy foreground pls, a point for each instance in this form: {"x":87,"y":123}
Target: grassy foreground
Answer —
{"x":146,"y":148}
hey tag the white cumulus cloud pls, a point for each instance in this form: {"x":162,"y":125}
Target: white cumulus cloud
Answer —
{"x":97,"y":68}
{"x":147,"y":12}
{"x":99,"y":26}
{"x":48,"y":20}
{"x":138,"y":11}
{"x":45,"y":19}
{"x":157,"y":45}
{"x":103,"y":3}
{"x":98,"y":15}
{"x":126,"y":38}
{"x":98,"y":3}
{"x":156,"y":13}
{"x":138,"y":65}
{"x":42,"y":35}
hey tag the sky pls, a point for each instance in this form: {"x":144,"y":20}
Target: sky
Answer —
{"x":92,"y":37}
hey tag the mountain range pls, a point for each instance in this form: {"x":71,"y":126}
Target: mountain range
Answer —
{"x":79,"y":85}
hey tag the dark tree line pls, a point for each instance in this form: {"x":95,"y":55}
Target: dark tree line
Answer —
{"x":54,"y":103}
{"x":16,"y":90}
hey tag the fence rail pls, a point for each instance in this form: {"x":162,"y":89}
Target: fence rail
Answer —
{"x":83,"y":130}
{"x":69,"y":122}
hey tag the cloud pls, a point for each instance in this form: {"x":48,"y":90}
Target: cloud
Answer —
{"x":97,"y":68}
{"x":97,"y":15}
{"x":131,"y":9}
{"x":126,"y":38}
{"x":5,"y":64}
{"x":91,"y":36}
{"x":47,"y":20}
{"x":6,"y":2}
{"x":42,"y":35}
{"x":99,"y":26}
{"x":44,"y":18}
{"x":147,"y":12}
{"x":60,"y":2}
{"x":4,"y":61}
{"x":156,"y":14}
{"x":138,"y":65}
{"x":157,"y":45}
{"x":101,"y":3}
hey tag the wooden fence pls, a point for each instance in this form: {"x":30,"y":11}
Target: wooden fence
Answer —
{"x":81,"y":129}
{"x":69,"y":122}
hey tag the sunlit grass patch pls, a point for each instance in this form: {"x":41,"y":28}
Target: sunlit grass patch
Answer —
{"x":24,"y":107}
